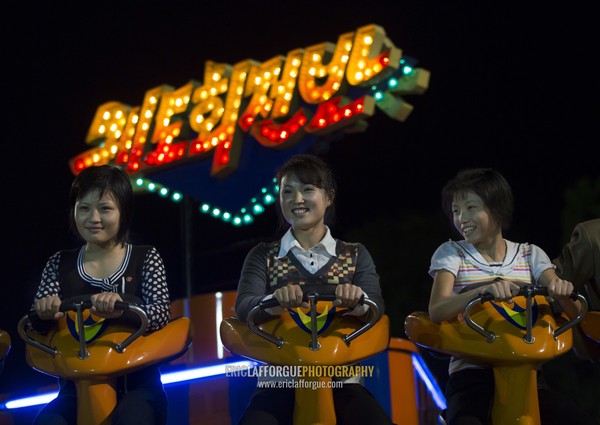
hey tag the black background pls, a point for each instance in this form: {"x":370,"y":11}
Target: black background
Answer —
{"x":513,"y":87}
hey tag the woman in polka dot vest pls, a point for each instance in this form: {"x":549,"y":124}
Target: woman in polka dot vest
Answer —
{"x":111,"y":269}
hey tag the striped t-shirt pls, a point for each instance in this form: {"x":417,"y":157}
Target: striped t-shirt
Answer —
{"x":523,"y":264}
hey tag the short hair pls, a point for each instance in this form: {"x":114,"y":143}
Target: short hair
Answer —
{"x":310,"y":169}
{"x":105,"y":178}
{"x":489,"y":185}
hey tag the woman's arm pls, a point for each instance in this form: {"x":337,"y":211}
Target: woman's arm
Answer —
{"x":252,"y":286}
{"x":155,"y":292}
{"x":444,"y":304}
{"x":560,"y":290}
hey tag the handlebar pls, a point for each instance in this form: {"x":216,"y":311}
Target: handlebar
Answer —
{"x":312,"y":294}
{"x":528,"y":292}
{"x":79,"y":304}
{"x":323,"y":292}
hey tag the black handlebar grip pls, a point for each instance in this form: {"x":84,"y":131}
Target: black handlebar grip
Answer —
{"x":324,"y":293}
{"x":486,"y":296}
{"x":70,"y":305}
{"x":270,"y":303}
{"x":122,"y":305}
{"x":574,"y":295}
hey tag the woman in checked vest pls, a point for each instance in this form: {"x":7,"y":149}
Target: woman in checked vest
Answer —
{"x":308,"y":253}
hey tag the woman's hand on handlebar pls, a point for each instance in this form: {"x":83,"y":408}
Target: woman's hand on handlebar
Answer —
{"x":502,"y":290}
{"x":559,"y":288}
{"x":347,"y":295}
{"x":560,"y":291}
{"x":290,"y":296}
{"x":103,"y":305}
{"x":47,"y":308}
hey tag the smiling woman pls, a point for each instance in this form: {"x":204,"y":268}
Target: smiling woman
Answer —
{"x":479,"y":202}
{"x":307,"y":192}
{"x":309,"y":255}
{"x":113,"y":270}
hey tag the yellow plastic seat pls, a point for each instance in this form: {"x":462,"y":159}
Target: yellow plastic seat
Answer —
{"x":590,"y":325}
{"x":95,"y":365}
{"x":506,"y":343}
{"x":340,"y":342}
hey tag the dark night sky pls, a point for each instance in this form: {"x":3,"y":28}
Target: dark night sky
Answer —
{"x":512,"y":87}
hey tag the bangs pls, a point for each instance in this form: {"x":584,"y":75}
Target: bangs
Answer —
{"x":307,"y":175}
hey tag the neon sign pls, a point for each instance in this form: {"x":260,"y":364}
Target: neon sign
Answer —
{"x":276,"y":104}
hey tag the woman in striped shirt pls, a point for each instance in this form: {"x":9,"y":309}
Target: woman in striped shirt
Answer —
{"x":479,"y":203}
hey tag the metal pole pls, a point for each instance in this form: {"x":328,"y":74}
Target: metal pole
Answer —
{"x":186,"y":237}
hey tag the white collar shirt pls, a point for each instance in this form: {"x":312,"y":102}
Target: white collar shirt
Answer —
{"x":314,"y":258}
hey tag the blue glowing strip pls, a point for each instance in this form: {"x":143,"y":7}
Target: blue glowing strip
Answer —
{"x":430,"y":382}
{"x":167,"y":378}
{"x":203,"y":372}
{"x":216,"y":370}
{"x":29,"y":401}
